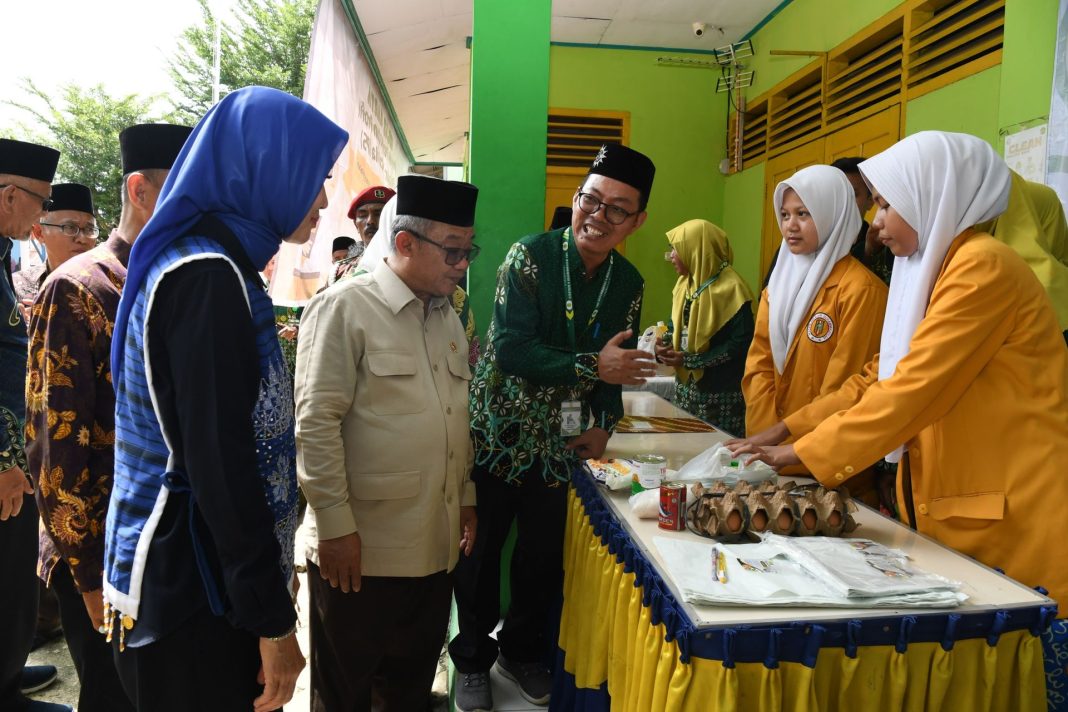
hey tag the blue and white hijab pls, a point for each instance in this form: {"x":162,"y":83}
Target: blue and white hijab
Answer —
{"x":255,"y":163}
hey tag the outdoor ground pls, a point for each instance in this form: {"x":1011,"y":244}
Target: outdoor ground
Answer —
{"x":506,"y":697}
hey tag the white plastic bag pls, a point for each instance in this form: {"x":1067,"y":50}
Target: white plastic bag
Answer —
{"x":717,"y":463}
{"x":646,"y":504}
{"x":647,"y":341}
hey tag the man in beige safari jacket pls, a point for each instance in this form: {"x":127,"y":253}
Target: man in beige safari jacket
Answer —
{"x":383,"y":451}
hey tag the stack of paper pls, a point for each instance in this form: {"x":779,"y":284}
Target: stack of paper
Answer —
{"x":809,"y":571}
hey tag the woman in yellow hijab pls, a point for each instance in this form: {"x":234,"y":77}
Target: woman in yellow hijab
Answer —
{"x":712,"y":314}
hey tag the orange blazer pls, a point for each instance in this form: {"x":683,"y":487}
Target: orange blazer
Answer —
{"x":839,"y":335}
{"x":981,"y":400}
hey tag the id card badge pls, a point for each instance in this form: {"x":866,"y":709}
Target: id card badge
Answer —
{"x":684,"y":339}
{"x":570,"y":418}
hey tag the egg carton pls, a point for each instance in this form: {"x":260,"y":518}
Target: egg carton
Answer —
{"x":743,"y":512}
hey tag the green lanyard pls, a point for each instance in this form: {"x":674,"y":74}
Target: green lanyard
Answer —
{"x":706,"y":284}
{"x":569,"y":304}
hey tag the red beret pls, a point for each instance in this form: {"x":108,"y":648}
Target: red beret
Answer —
{"x":374,"y":194}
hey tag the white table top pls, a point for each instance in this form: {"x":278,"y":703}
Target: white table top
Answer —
{"x":986,"y":589}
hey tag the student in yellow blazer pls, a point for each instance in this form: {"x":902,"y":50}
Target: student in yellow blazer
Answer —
{"x":970,"y":389}
{"x":821,"y":314}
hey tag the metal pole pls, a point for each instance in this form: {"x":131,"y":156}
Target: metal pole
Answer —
{"x":216,"y":54}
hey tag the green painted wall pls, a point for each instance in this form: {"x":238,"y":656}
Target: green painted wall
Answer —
{"x":743,"y":215}
{"x":678,"y":120}
{"x":966,"y":106}
{"x":509,"y":106}
{"x":808,"y":25}
{"x":1027,"y":64}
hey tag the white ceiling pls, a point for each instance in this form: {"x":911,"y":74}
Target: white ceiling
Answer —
{"x":420,"y":48}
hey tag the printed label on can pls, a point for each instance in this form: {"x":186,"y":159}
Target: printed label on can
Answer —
{"x":672,"y":506}
{"x":651,"y":470}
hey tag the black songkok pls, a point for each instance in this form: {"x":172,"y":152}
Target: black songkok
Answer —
{"x":627,"y":166}
{"x":342,"y":243}
{"x":561,"y":218}
{"x":148,"y":146}
{"x":72,"y":196}
{"x":29,"y":160}
{"x":446,"y":201}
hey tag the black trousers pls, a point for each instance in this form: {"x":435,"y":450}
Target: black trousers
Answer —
{"x":100,"y":690}
{"x":18,"y":599}
{"x":383,"y":640}
{"x":205,"y":665}
{"x":529,"y":633}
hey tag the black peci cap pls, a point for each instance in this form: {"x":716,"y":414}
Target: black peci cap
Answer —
{"x":561,"y":218}
{"x":446,"y":201}
{"x":29,"y":160}
{"x":148,"y":146}
{"x":627,"y":166}
{"x":342,"y":242}
{"x":72,"y":196}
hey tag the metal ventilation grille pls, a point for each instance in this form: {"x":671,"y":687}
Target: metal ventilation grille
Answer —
{"x":574,"y":139}
{"x":948,"y":35}
{"x":754,"y":136}
{"x":862,"y":78}
{"x":755,"y":133}
{"x":795,"y":111}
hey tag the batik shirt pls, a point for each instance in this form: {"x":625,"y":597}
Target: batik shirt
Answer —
{"x":531,"y":366}
{"x":283,"y":317}
{"x":12,"y":367}
{"x":70,"y":408}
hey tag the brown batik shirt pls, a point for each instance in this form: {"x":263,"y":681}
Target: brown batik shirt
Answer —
{"x":70,"y":408}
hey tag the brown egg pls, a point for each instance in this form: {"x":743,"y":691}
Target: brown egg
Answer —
{"x":734,"y":522}
{"x":785,"y":520}
{"x":809,"y":519}
{"x":834,"y":519}
{"x":759,"y":522}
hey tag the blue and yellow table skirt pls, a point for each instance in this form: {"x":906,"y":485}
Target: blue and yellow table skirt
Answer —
{"x":626,"y":643}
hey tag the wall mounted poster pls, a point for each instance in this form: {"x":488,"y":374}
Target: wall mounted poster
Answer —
{"x":1057,"y":160}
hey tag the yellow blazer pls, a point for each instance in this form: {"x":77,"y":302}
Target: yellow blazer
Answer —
{"x":981,"y":400}
{"x":839,"y":335}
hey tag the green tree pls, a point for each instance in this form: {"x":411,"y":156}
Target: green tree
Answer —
{"x":84,"y":125}
{"x":266,"y":43}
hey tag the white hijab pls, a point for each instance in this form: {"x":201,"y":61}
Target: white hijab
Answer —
{"x":796,"y":279}
{"x":378,"y":250}
{"x":941,"y":184}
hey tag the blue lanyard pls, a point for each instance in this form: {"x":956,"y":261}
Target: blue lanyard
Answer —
{"x":569,"y":304}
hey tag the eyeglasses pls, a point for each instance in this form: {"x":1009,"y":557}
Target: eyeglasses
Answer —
{"x":612,"y":213}
{"x":72,"y":230}
{"x":453,"y":255}
{"x":46,"y":203}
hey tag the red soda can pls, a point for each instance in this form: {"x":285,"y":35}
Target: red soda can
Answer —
{"x":672,"y":506}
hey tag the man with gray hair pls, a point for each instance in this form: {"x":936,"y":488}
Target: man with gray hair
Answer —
{"x":26,"y":173}
{"x":383,"y":456}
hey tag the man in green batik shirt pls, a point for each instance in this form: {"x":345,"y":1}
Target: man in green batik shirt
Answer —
{"x":546,"y":394}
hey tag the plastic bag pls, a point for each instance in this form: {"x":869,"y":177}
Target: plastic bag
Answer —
{"x":649,"y":338}
{"x":646,"y":504}
{"x":615,"y":474}
{"x":717,"y":463}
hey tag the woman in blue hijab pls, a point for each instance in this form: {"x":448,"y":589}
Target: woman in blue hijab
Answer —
{"x":198,"y":579}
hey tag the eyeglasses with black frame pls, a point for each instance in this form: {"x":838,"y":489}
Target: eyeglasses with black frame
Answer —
{"x":614,"y":214}
{"x":46,"y":203}
{"x":72,"y":230}
{"x":453,"y":255}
